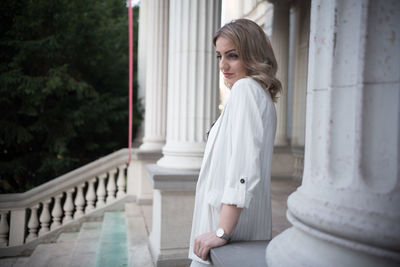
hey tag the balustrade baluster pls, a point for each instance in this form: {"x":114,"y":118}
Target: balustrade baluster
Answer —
{"x":57,"y":212}
{"x":121,"y":181}
{"x":68,"y":206}
{"x":79,"y":201}
{"x":90,"y":195}
{"x":45,"y":218}
{"x":33,"y":223}
{"x":4,"y":228}
{"x":101,"y":191}
{"x":111,"y":186}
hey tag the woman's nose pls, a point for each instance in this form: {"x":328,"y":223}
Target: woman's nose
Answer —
{"x":223,"y":66}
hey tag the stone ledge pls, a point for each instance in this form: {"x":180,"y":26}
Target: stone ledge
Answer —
{"x":240,"y":254}
{"x":141,"y":154}
{"x":171,"y":179}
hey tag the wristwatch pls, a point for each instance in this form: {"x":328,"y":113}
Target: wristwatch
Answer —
{"x":221,"y":234}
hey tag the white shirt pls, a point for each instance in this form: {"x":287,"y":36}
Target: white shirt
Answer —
{"x":236,"y":167}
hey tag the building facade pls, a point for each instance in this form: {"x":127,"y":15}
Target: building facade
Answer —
{"x":338,"y":120}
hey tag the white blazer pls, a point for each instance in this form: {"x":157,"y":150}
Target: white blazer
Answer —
{"x":236,"y":167}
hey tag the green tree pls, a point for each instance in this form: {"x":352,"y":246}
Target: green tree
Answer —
{"x":63,"y":86}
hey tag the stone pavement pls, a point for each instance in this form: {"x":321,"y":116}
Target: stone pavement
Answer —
{"x":280,"y":190}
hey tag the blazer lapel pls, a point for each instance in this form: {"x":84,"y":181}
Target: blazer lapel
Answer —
{"x":210,"y":147}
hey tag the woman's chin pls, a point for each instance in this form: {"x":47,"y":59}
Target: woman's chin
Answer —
{"x":228,"y":83}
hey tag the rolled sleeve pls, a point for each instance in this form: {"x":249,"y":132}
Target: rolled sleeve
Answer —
{"x":246,"y":139}
{"x":237,"y":196}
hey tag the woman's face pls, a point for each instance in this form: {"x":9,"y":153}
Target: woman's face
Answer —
{"x":230,"y":64}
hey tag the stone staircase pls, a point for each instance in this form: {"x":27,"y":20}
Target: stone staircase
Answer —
{"x":120,"y":239}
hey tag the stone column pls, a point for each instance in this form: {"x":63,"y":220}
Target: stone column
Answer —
{"x":302,"y":29}
{"x":192,"y":82}
{"x":156,"y":98}
{"x":142,"y":58}
{"x":192,"y":107}
{"x":280,"y":44}
{"x":282,"y":161}
{"x":138,"y":184}
{"x":346,"y":211}
{"x":301,"y":23}
{"x":142,"y":46}
{"x":156,"y":76}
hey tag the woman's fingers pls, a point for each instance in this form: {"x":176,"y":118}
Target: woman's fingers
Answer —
{"x":204,"y":253}
{"x":200,"y":248}
{"x":196,"y":247}
{"x":203,"y":243}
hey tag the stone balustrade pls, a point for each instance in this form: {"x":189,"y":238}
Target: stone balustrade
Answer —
{"x":26,"y":216}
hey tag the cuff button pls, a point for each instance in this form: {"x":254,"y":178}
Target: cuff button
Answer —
{"x":242,"y":181}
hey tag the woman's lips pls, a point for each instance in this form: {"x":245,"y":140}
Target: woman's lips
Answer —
{"x":227,"y":74}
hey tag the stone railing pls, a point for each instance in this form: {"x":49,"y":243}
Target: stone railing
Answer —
{"x":27,"y":216}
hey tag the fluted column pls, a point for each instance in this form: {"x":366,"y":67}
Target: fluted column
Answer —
{"x":142,"y":58}
{"x":346,"y":211}
{"x":142,"y":45}
{"x":156,"y":76}
{"x":302,"y":27}
{"x":192,"y":81}
{"x":280,"y":44}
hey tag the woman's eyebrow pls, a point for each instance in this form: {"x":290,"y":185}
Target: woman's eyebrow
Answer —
{"x":227,"y":52}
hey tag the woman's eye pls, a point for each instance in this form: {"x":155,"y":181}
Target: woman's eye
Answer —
{"x":219,"y":57}
{"x":233,"y":56}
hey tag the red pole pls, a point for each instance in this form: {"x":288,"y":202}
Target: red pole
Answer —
{"x":130,"y":18}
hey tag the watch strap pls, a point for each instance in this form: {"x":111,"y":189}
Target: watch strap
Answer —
{"x":226,"y":237}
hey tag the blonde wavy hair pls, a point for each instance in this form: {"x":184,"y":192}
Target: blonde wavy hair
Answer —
{"x":254,"y":49}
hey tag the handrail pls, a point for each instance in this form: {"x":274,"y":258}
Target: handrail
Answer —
{"x":62,"y":200}
{"x":63,"y":182}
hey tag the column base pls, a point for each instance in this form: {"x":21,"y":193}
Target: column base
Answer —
{"x":185,"y":156}
{"x":304,"y":246}
{"x":169,"y":257}
{"x":151,"y":145}
{"x":180,"y":162}
{"x":173,"y":204}
{"x":138,"y":185}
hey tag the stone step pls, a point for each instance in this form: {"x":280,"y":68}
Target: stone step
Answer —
{"x":113,"y":248}
{"x":137,"y":236}
{"x":52,"y":254}
{"x":86,"y":246}
{"x":67,"y":237}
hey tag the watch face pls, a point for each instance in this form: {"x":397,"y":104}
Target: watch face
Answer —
{"x":220,"y":232}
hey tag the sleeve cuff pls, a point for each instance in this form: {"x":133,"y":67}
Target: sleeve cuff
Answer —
{"x":238,"y":197}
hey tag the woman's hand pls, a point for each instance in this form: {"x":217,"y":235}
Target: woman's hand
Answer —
{"x":203,"y":243}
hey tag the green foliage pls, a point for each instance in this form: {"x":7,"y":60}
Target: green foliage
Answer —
{"x":63,"y":87}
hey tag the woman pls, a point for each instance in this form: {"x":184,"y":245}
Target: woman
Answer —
{"x":233,"y":190}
